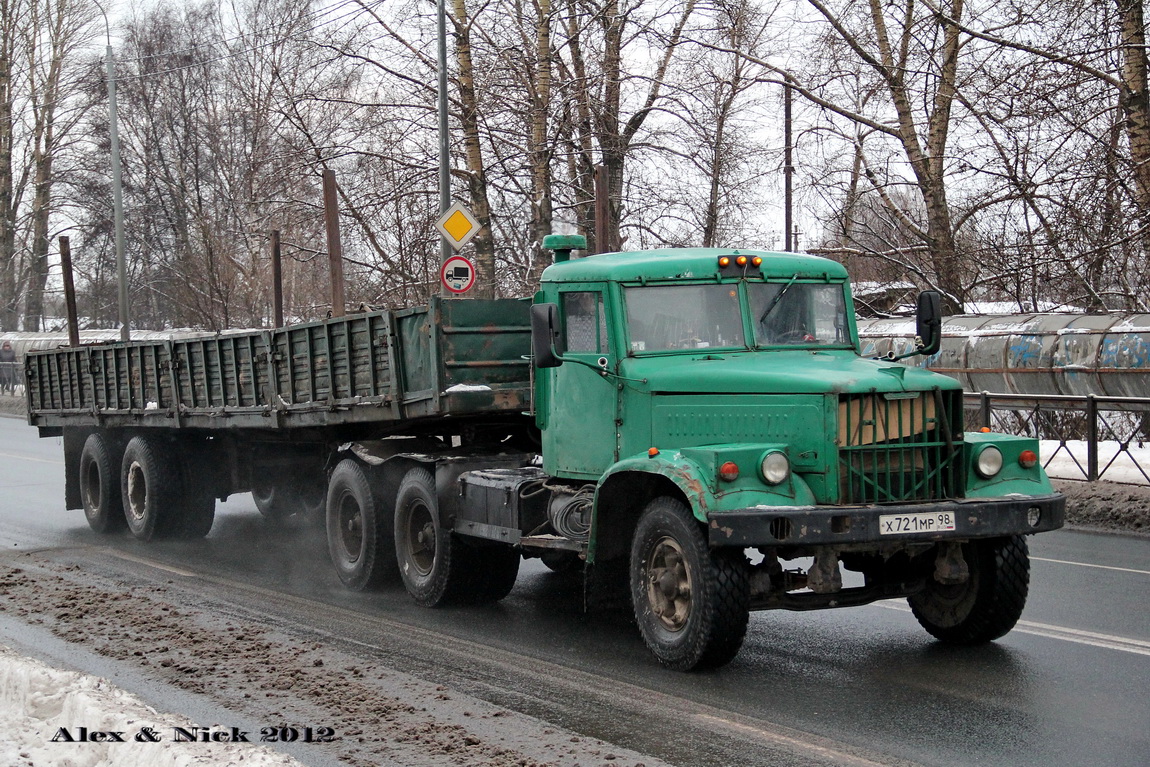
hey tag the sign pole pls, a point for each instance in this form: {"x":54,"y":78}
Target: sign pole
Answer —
{"x":445,"y":251}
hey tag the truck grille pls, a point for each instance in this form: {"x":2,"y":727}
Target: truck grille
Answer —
{"x":899,"y":446}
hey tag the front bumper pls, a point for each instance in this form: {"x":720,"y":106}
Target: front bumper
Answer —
{"x":823,"y":525}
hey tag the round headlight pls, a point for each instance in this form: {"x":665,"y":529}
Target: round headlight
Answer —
{"x":989,"y":462}
{"x":775,"y":467}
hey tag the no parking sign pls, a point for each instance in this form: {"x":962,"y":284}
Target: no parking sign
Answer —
{"x":457,"y":274}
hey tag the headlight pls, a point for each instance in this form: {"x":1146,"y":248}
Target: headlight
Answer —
{"x":989,"y":462}
{"x":775,"y":468}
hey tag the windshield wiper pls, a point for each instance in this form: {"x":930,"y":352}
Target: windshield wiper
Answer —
{"x":778,"y":297}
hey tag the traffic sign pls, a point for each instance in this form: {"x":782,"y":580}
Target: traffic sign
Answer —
{"x":457,"y":274}
{"x":457,"y":225}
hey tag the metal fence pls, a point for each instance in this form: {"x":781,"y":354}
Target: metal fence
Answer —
{"x":1088,"y":437}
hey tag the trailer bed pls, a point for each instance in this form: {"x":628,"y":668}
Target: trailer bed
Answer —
{"x":451,"y":357}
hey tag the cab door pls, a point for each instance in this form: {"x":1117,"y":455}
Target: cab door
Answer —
{"x":579,"y":437}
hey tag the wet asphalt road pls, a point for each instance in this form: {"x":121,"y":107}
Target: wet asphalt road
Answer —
{"x":1069,"y":686}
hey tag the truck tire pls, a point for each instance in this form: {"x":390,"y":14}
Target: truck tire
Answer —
{"x":100,"y":486}
{"x":151,"y":488}
{"x":692,"y":603}
{"x":495,"y":569}
{"x":306,"y":501}
{"x":988,"y":604}
{"x":558,"y":561}
{"x":197,"y":515}
{"x":432,"y":563}
{"x":357,"y":531}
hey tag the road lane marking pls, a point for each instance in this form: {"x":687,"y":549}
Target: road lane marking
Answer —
{"x":1087,"y":564}
{"x":29,"y":458}
{"x":152,"y":563}
{"x":837,"y":757}
{"x":1077,"y":636}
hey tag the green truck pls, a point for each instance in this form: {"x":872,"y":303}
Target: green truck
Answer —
{"x":693,"y":428}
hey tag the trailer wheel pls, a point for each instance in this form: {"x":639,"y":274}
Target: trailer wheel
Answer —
{"x":432,"y":562}
{"x":198,"y":514}
{"x":100,"y":486}
{"x":357,"y":533}
{"x":151,"y":487}
{"x":988,"y":604}
{"x":692,"y":603}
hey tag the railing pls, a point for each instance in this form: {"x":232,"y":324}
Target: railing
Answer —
{"x":1087,"y":437}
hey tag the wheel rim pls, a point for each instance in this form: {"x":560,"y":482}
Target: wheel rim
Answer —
{"x":92,"y":489}
{"x":350,"y":527}
{"x":420,"y":536}
{"x":137,"y":491}
{"x":669,"y":584}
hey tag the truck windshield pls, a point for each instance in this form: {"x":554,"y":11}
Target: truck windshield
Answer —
{"x":798,"y":313}
{"x":668,"y":317}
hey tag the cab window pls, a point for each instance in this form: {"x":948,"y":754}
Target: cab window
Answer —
{"x":585,"y":322}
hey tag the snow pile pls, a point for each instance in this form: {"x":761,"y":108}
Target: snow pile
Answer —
{"x":1068,"y":460}
{"x":36,"y":701}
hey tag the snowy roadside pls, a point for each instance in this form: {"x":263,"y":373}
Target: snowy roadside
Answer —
{"x":44,"y":712}
{"x":209,"y":665}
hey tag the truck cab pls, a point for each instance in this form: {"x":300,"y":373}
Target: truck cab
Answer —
{"x":718,"y":401}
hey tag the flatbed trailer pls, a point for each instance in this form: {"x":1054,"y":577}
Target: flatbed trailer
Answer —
{"x":450,"y":358}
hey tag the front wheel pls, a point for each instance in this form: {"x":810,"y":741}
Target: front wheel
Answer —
{"x":691,"y":602}
{"x":988,"y":604}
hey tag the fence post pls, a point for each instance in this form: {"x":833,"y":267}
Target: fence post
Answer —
{"x":985,"y":405}
{"x":1091,"y":438}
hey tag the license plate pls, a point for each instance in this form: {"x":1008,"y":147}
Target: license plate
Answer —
{"x":909,"y":524}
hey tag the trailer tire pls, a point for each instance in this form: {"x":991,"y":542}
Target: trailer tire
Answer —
{"x":151,"y":488}
{"x":100,"y":486}
{"x":988,"y":604}
{"x":357,"y":533}
{"x":198,"y":514}
{"x":432,"y":561}
{"x":692,"y":603}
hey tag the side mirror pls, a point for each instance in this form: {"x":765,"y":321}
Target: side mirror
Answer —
{"x":929,"y":322}
{"x":545,"y":337}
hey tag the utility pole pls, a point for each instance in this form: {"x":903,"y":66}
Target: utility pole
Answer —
{"x":788,"y":171}
{"x":117,"y":183}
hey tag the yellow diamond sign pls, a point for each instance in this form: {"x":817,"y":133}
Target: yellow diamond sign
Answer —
{"x":457,"y":225}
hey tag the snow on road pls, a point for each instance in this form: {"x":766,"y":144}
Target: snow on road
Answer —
{"x":41,"y":707}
